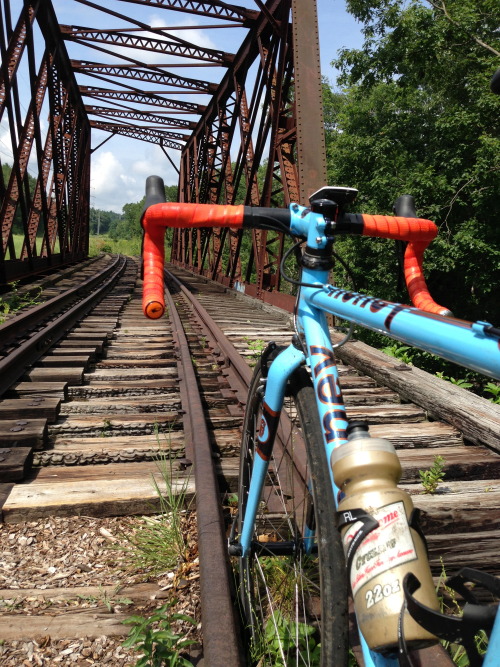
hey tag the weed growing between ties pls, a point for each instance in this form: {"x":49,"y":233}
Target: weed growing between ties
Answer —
{"x":110,"y":601}
{"x":434,"y":476}
{"x":256,"y":347}
{"x":162,"y":546}
{"x":157,"y":640}
{"x":158,"y":542}
{"x":450,"y":605}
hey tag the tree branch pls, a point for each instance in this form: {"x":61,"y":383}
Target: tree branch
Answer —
{"x":441,"y":6}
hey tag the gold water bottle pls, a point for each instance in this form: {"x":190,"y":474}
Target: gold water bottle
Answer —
{"x":381,"y":546}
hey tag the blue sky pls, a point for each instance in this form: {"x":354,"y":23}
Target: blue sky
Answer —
{"x":120,"y":167}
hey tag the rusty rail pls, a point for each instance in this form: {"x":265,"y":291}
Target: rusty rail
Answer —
{"x":13,"y":366}
{"x":219,"y":622}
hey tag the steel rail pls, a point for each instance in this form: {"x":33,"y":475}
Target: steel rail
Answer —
{"x":25,"y":320}
{"x":218,"y":610}
{"x":14,"y":365}
{"x":239,"y":370}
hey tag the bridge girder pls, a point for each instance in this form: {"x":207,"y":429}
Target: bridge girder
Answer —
{"x":252,"y":134}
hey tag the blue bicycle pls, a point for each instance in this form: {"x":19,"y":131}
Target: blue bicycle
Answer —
{"x":318,"y":505}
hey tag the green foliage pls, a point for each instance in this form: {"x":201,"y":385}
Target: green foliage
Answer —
{"x":98,"y":244}
{"x":232,"y":500}
{"x":128,"y":225}
{"x":416,"y":116}
{"x":100,"y":221}
{"x":458,"y":382}
{"x":494,"y":390}
{"x":434,"y":476}
{"x":15,"y":300}
{"x":158,"y":543}
{"x":398,"y":351}
{"x":104,"y":598}
{"x":256,"y":346}
{"x":155,"y":638}
{"x":279,"y":646}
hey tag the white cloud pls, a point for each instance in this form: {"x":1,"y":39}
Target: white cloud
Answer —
{"x":5,"y":143}
{"x":111,"y":186}
{"x":195,"y":36}
{"x":118,"y":175}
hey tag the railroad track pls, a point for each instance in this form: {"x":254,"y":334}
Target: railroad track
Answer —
{"x":135,"y":397}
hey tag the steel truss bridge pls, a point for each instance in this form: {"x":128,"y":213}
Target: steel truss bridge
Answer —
{"x":250,"y":131}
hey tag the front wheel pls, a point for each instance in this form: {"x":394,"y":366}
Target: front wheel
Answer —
{"x":293,"y":585}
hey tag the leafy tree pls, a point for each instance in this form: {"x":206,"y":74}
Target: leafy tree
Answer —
{"x":100,"y":221}
{"x":17,"y":226}
{"x":129,"y":224}
{"x":416,"y":116}
{"x":172,"y":193}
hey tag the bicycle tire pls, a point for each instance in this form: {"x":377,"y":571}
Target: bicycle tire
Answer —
{"x":296,"y":594}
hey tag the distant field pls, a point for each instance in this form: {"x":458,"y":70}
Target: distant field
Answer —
{"x":18,"y":244}
{"x":103,"y":243}
{"x":97,"y":244}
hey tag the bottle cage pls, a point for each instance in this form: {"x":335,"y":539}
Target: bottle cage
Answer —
{"x":456,"y":629}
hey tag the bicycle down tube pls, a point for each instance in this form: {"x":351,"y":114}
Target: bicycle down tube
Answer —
{"x":474,"y":345}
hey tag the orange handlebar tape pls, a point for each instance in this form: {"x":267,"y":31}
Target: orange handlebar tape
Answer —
{"x":173,"y":214}
{"x":403,"y":229}
{"x":419,"y":233}
{"x":154,"y":221}
{"x":415,"y":281}
{"x":153,"y":301}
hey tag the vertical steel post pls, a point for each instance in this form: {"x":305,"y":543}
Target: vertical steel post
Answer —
{"x":311,"y":147}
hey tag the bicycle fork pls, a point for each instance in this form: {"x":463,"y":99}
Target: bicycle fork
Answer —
{"x":275,"y":387}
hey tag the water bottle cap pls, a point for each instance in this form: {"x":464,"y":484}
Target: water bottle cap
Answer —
{"x":357,"y":429}
{"x":361,"y":445}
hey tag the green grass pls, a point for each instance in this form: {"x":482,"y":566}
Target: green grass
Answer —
{"x":18,"y":244}
{"x":97,"y":244}
{"x":158,"y":542}
{"x":104,"y":243}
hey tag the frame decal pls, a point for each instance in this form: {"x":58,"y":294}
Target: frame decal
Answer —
{"x":267,"y":431}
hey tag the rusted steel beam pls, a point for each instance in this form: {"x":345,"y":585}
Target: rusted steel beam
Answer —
{"x":144,"y":73}
{"x":21,"y":157}
{"x":138,"y":132}
{"x":281,"y":123}
{"x":137,"y":115}
{"x":142,"y":98}
{"x":48,"y":209}
{"x":255,"y":118}
{"x":213,"y":9}
{"x":39,"y":206}
{"x":11,"y":56}
{"x":246,"y":55}
{"x":311,"y":146}
{"x":180,"y":123}
{"x":168,"y":47}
